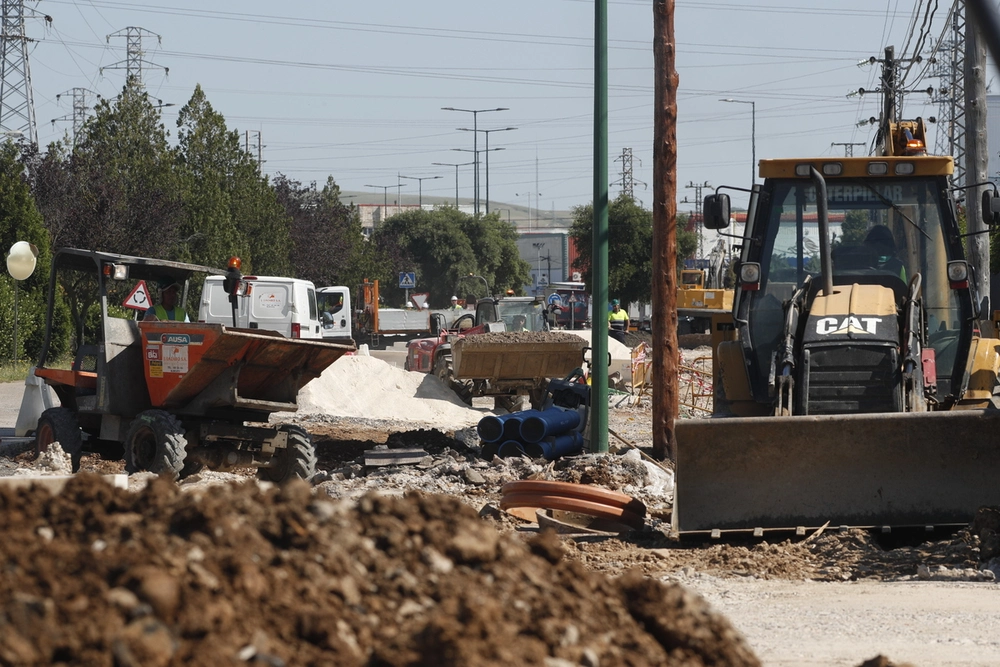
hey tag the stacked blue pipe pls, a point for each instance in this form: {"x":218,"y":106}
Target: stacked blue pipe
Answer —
{"x":549,"y":433}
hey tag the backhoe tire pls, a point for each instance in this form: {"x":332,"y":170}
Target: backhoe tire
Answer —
{"x":155,"y":443}
{"x":296,"y":460}
{"x":59,"y":425}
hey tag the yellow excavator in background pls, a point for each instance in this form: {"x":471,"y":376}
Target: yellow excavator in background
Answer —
{"x":698,"y":299}
{"x":852,"y":383}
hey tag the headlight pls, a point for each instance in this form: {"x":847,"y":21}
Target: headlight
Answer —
{"x":878,"y":168}
{"x":958,"y":271}
{"x":750,"y":272}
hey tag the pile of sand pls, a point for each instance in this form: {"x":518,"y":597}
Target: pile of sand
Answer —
{"x":363,"y":386}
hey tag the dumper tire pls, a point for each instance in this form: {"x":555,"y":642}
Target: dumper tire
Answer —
{"x":155,"y":442}
{"x":444,"y":371}
{"x":298,"y":459}
{"x":59,"y":425}
{"x":508,"y":403}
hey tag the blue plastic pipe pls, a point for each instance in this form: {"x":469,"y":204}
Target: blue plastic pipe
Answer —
{"x":511,"y":448}
{"x":490,"y":428}
{"x":553,"y":447}
{"x":553,"y":421}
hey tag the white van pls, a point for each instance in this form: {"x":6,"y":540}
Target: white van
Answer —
{"x":335,"y":313}
{"x":285,"y":305}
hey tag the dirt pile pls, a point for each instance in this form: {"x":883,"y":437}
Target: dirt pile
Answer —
{"x":507,"y":337}
{"x":240,"y":574}
{"x":365,"y":387}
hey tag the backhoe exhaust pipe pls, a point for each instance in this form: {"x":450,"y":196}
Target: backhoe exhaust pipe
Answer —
{"x":823,"y":217}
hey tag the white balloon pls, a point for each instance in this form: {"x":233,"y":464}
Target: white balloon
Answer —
{"x":21,"y":260}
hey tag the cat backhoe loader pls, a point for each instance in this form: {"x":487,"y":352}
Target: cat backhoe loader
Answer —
{"x":853,"y":385}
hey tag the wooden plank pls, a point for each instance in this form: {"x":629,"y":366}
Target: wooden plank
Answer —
{"x":394,"y":457}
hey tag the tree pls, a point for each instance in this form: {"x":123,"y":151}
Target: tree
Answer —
{"x":21,"y":221}
{"x":630,"y":242}
{"x":126,"y":196}
{"x":687,"y":241}
{"x":206,"y":154}
{"x":444,"y":246}
{"x":230,"y":208}
{"x":494,"y":243}
{"x":328,"y":245}
{"x":114,"y":191}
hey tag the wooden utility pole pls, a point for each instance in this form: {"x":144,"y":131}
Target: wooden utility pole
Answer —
{"x":976,"y":157}
{"x":664,"y":316}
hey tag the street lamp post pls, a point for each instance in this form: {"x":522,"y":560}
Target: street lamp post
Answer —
{"x":487,"y":133}
{"x":537,"y":195}
{"x":475,"y":144}
{"x":753,"y":134}
{"x":420,"y":184}
{"x":456,"y":166}
{"x":538,"y":271}
{"x":385,"y":197}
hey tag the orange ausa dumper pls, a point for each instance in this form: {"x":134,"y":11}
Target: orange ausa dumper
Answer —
{"x":175,"y":397}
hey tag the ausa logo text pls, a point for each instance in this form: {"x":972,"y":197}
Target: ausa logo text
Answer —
{"x":827,"y":326}
{"x":175,"y":339}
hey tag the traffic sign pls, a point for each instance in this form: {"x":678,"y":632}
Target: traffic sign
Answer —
{"x":138,"y":299}
{"x":407,"y":280}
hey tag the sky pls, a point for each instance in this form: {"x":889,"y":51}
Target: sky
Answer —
{"x":355,"y":90}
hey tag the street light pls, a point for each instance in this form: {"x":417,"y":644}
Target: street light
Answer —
{"x":538,"y":251}
{"x":753,"y":134}
{"x":537,"y":195}
{"x":475,"y":144}
{"x":487,"y":133}
{"x":456,"y":166}
{"x":420,"y":184}
{"x":385,"y":197}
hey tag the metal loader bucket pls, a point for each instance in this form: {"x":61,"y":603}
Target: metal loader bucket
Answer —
{"x":913,"y":469}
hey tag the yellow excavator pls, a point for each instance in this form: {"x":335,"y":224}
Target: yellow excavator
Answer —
{"x":852,"y":383}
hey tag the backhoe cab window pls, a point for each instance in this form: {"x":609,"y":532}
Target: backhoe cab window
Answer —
{"x":884,"y":227}
{"x":530,"y":310}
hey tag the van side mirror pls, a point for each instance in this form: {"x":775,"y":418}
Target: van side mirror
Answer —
{"x":991,"y":207}
{"x":716,"y":211}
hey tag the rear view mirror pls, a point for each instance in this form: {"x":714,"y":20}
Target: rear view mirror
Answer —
{"x":716,"y":211}
{"x":991,"y":207}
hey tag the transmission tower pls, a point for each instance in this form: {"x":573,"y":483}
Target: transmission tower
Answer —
{"x":950,"y":97}
{"x":848,"y":146}
{"x":627,"y":181}
{"x":134,"y":60}
{"x":17,"y":108}
{"x":80,"y":108}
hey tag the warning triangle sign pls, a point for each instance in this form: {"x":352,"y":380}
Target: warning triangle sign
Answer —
{"x":138,"y":299}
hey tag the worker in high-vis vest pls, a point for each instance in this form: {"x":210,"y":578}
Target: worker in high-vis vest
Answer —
{"x":617,"y":322}
{"x":167,"y":309}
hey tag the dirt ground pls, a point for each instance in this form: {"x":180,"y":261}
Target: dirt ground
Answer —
{"x":416,"y":565}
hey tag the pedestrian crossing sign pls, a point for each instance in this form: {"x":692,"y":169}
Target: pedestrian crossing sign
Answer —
{"x":407,"y":280}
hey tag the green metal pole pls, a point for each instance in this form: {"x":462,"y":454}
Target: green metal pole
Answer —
{"x":599,"y":262}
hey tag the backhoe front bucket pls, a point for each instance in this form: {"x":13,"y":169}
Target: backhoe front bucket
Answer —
{"x":913,"y":469}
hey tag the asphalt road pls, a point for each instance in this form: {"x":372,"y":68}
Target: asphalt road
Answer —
{"x":10,"y":403}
